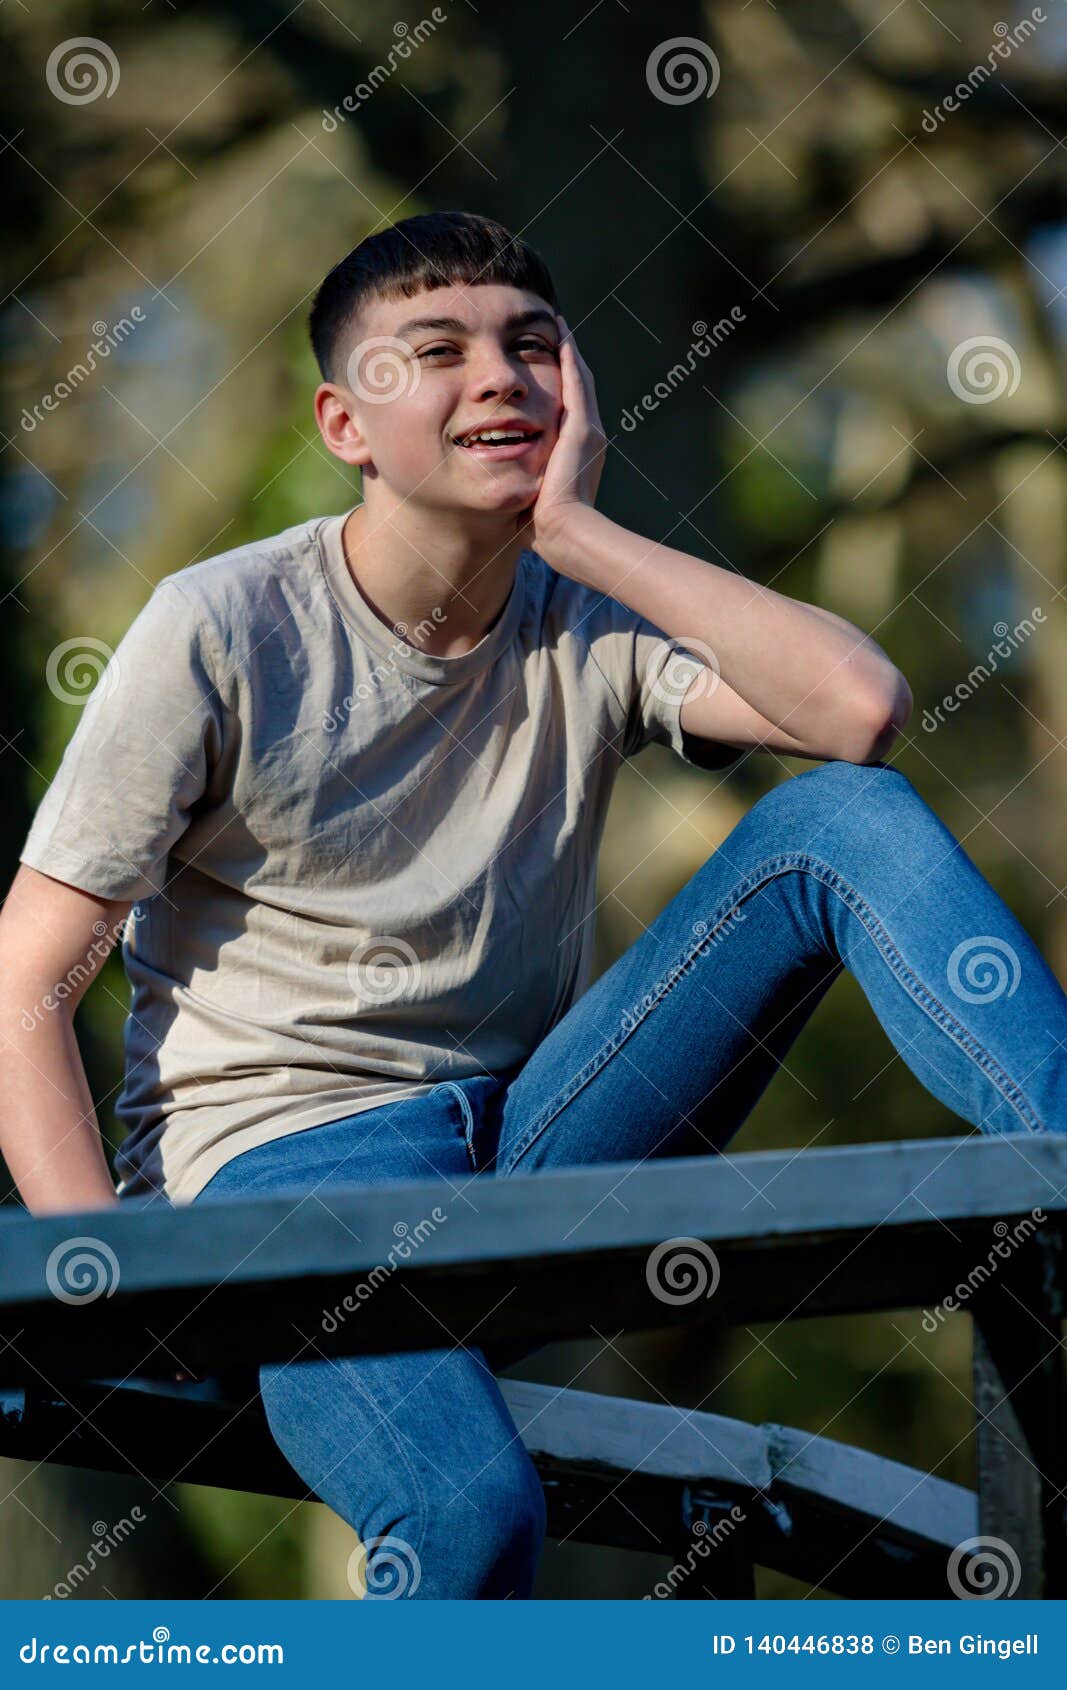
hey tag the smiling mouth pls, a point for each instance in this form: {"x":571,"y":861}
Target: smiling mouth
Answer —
{"x":498,"y":442}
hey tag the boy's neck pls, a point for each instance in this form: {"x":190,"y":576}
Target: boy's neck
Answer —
{"x":406,"y":571}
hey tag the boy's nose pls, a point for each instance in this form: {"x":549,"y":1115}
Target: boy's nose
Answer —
{"x":499,"y":379}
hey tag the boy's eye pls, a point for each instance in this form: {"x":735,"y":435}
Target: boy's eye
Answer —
{"x":527,"y":344}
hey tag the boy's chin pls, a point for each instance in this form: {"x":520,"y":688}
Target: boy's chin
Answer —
{"x":506,"y":506}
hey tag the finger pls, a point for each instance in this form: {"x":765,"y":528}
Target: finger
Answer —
{"x":575,"y":395}
{"x":584,"y":374}
{"x":567,"y":335}
{"x":588,"y":383}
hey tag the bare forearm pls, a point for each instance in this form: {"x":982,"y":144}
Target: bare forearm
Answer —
{"x":49,"y":1135}
{"x":800,"y":666}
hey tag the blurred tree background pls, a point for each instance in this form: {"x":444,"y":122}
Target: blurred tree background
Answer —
{"x":879,"y":429}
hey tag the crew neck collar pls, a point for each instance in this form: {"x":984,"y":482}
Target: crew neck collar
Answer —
{"x":423,"y":665}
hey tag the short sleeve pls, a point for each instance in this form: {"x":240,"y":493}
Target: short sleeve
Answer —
{"x":139,"y":758}
{"x":651,"y":672}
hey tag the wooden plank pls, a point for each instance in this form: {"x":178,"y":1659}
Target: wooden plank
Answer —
{"x":537,"y":1257}
{"x":865,"y":1525}
{"x":635,"y":1475}
{"x":914,"y":1507}
{"x":587,"y":1430}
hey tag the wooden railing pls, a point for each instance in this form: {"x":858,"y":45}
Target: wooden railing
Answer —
{"x":85,"y":1352}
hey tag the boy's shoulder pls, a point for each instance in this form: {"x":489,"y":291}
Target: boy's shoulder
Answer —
{"x":243,"y":569}
{"x":243,"y":593}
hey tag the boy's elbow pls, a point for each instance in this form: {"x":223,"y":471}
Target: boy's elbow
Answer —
{"x":878,"y":720}
{"x":885,"y":715}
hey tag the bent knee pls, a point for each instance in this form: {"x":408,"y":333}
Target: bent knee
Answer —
{"x":836,"y":795}
{"x":832,"y":812}
{"x":492,"y":1528}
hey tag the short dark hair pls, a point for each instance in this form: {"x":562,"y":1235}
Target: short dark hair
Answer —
{"x":433,"y":250}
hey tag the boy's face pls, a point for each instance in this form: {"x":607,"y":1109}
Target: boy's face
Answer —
{"x":426,"y":371}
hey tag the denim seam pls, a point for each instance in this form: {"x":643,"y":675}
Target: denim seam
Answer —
{"x":467,"y":1117}
{"x":420,"y":1494}
{"x":787,"y":862}
{"x":931,"y":1005}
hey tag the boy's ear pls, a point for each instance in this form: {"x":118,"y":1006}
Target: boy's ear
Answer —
{"x":338,"y":424}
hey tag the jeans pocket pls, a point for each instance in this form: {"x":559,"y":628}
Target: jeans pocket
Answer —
{"x":464,"y":1119}
{"x":479,"y":1101}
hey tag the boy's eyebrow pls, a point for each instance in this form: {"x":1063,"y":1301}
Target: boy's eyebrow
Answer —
{"x":517,"y":320}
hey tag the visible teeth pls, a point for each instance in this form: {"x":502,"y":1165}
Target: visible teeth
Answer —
{"x":492,"y":435}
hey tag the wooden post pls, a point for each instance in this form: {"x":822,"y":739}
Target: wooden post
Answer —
{"x":1020,"y":1397}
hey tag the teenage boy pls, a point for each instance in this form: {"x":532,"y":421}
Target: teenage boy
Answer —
{"x":350,"y":783}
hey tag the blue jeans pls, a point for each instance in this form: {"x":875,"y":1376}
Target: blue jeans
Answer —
{"x":843,"y":866}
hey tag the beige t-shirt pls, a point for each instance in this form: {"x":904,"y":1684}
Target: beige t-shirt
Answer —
{"x":359,"y":869}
